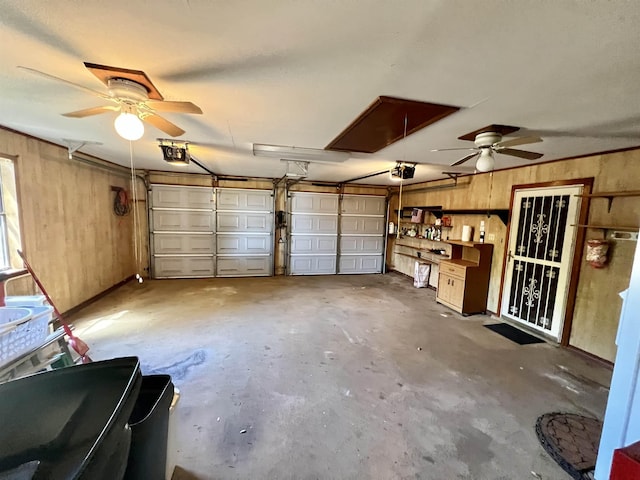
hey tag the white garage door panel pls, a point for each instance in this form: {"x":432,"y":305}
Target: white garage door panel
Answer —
{"x":243,"y":266}
{"x":363,"y":205}
{"x":316,"y":224}
{"x":314,"y":203}
{"x":180,"y":267}
{"x":312,"y":265}
{"x":256,"y":200}
{"x":235,"y":244}
{"x":164,"y":196}
{"x":176,"y":243}
{"x":360,"y":264}
{"x":362,"y":225}
{"x":244,"y":222}
{"x":307,"y":244}
{"x":353,"y":244}
{"x":182,"y":221}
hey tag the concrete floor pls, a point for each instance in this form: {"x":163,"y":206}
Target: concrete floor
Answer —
{"x":341,"y":377}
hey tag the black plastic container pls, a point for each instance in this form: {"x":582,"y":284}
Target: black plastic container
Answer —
{"x":72,"y":420}
{"x":149,"y":424}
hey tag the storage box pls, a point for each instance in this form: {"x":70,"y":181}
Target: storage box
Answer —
{"x":19,"y":335}
{"x":416,"y":215}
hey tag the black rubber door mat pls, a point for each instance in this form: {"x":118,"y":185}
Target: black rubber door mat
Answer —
{"x":514,"y":334}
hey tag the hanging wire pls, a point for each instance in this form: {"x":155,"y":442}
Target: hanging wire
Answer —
{"x":404,"y":159}
{"x":399,"y":207}
{"x":136,"y":221}
{"x":490,"y":188}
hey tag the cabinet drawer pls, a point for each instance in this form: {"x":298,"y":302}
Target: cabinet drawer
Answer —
{"x":453,"y":269}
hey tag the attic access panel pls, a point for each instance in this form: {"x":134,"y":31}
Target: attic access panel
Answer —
{"x":382,"y":123}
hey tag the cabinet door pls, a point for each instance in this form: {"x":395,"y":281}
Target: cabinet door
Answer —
{"x":444,"y":287}
{"x":456,"y":292}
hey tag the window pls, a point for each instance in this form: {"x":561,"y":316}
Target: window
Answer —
{"x":9,"y":224}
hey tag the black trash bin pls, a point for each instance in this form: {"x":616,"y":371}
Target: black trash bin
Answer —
{"x":69,"y":424}
{"x":149,"y":424}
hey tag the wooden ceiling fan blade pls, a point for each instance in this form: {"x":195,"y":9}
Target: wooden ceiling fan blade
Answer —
{"x":71,"y":84}
{"x":177,"y":107}
{"x":464,"y":159}
{"x":162,"y":124}
{"x":518,"y":141}
{"x":519,"y":153}
{"x":87,"y":112}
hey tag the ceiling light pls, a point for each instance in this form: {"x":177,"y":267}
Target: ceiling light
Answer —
{"x":129,"y":126}
{"x":485,"y":162}
{"x":298,"y":153}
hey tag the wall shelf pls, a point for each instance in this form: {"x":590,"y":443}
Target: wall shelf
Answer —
{"x":610,"y":227}
{"x":611,"y":195}
{"x":439,"y":212}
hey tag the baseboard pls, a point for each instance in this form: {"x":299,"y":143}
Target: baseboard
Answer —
{"x":601,"y":361}
{"x":88,"y":302}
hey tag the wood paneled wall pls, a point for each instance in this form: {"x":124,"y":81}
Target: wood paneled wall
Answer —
{"x":598,"y":305}
{"x":73,"y":240}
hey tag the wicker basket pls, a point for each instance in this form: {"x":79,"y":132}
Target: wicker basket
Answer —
{"x":22,"y":329}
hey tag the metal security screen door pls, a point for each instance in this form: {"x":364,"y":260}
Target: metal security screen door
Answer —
{"x":540,"y":255}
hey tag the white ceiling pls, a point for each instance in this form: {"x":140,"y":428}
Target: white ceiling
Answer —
{"x":297,"y":72}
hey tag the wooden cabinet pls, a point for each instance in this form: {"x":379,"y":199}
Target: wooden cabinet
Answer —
{"x":463,"y":282}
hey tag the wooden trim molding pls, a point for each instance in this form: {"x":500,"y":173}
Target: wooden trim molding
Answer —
{"x":72,"y":311}
{"x":576,"y":265}
{"x":591,"y":356}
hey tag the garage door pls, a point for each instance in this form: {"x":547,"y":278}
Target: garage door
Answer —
{"x":313,"y":233}
{"x":244,"y":242}
{"x":362,"y":234}
{"x":182,"y":225}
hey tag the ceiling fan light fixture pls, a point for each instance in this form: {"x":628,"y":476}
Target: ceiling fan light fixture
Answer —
{"x":129,"y":126}
{"x":485,"y":162}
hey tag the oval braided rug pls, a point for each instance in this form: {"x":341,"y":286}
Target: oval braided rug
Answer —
{"x":572,"y":441}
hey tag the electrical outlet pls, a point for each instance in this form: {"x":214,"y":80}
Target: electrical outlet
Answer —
{"x":491,"y":237}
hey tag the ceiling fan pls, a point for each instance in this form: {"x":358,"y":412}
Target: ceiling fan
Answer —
{"x":133,"y":95}
{"x":488,"y":143}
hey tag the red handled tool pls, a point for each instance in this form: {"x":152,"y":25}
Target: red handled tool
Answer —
{"x":78,"y":345}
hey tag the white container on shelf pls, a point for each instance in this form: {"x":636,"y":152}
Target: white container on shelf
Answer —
{"x":467,"y":233}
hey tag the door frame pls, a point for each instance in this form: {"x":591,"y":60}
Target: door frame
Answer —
{"x":576,"y":262}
